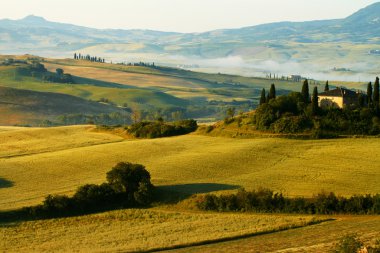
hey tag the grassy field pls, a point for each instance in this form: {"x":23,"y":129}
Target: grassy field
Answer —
{"x":313,"y":239}
{"x":137,"y":230}
{"x":187,"y":164}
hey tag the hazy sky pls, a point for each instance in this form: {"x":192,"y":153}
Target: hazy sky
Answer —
{"x":179,"y":15}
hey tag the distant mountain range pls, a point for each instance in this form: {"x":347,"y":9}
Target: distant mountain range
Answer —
{"x":321,"y":45}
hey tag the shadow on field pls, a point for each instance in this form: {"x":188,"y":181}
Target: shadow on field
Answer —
{"x":4,"y":183}
{"x":175,"y":193}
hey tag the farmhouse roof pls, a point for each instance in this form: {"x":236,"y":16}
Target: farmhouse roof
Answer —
{"x":339,"y":92}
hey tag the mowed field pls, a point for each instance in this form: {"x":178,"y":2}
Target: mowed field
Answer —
{"x":38,"y":162}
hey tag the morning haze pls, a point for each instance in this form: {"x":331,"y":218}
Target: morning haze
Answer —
{"x":190,"y":126}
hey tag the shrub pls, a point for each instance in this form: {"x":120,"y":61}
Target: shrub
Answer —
{"x":348,"y":244}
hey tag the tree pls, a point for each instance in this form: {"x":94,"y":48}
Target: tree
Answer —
{"x":59,"y":72}
{"x":376,"y":95}
{"x":262,"y":98}
{"x":272,"y":92}
{"x":75,"y":56}
{"x":129,"y":178}
{"x":314,"y":102}
{"x":369,"y":94}
{"x":231,"y":112}
{"x":327,"y":88}
{"x":305,"y":91}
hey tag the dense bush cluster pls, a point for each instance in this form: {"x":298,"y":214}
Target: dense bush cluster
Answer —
{"x":290,"y":114}
{"x":159,"y":128}
{"x":266,"y":201}
{"x":128,"y":185}
{"x":351,"y":243}
{"x":114,"y":118}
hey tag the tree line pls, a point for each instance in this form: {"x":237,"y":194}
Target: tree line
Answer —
{"x":88,"y":57}
{"x":266,"y":201}
{"x":128,"y":185}
{"x":298,"y":112}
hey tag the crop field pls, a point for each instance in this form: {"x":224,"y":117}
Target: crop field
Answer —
{"x":70,"y":157}
{"x":137,"y":230}
{"x":312,"y":239}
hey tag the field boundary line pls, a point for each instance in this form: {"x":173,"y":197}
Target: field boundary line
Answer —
{"x":231,"y":238}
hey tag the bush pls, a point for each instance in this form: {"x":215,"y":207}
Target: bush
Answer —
{"x":161,"y":129}
{"x":349,"y":244}
{"x":129,"y":185}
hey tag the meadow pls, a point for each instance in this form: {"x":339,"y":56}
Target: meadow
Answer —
{"x":138,"y":230}
{"x":35,"y":162}
{"x":186,"y":164}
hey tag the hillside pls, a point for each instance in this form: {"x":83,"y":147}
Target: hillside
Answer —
{"x":30,"y":107}
{"x":153,"y":90}
{"x":310,"y":48}
{"x":187,"y":164}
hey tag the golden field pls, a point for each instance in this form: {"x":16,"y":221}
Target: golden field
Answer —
{"x":35,"y":162}
{"x":137,"y":230}
{"x":67,"y":157}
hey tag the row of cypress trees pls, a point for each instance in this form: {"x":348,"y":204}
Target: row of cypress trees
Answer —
{"x":373,"y":96}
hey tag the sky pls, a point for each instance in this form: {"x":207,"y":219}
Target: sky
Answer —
{"x":179,"y":15}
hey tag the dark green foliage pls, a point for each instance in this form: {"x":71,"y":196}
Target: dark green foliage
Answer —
{"x":290,"y":114}
{"x":37,"y":67}
{"x":128,"y":186}
{"x":376,"y":91}
{"x":126,"y":178}
{"x":327,"y":88}
{"x":305,"y":92}
{"x":266,"y":201}
{"x":272,"y":92}
{"x":262,"y":97}
{"x":349,"y":244}
{"x":159,"y":129}
{"x":114,"y":118}
{"x":369,"y":94}
{"x":314,"y":102}
{"x":290,"y":106}
{"x":59,"y":72}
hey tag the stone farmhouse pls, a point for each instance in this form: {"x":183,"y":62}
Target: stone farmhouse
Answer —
{"x":339,"y":98}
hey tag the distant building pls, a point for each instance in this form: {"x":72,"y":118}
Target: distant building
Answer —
{"x":296,"y":78}
{"x":338,"y":98}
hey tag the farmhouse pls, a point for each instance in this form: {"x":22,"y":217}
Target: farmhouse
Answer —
{"x":339,"y":98}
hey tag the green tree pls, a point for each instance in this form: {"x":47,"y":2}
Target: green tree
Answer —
{"x":376,"y":95}
{"x":59,"y":72}
{"x":262,"y":98}
{"x":75,"y":56}
{"x":128,"y":178}
{"x":272,"y":92}
{"x":369,"y":94}
{"x":305,"y":91}
{"x":231,"y":112}
{"x":314,"y":101}
{"x":327,"y":88}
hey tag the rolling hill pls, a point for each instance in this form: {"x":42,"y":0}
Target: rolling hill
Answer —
{"x":31,"y":107}
{"x":310,"y":48}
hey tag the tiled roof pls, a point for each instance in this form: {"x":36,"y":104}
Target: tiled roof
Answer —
{"x":338,"y":92}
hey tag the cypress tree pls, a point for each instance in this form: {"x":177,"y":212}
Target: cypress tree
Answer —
{"x":314,"y":101}
{"x":376,"y":94}
{"x":75,"y":56}
{"x":327,"y":88}
{"x":262,"y":98}
{"x":305,"y":91}
{"x":369,"y":94}
{"x":272,"y":92}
